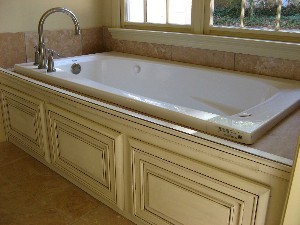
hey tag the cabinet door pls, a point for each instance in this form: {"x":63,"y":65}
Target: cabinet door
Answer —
{"x":24,"y":121}
{"x":85,"y":151}
{"x":169,"y":189}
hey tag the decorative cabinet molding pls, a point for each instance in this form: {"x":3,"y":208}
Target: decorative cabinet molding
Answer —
{"x":168,"y":191}
{"x":24,"y":122}
{"x":85,"y":151}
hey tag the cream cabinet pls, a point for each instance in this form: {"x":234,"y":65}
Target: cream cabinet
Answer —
{"x":169,"y":189}
{"x":87,"y":152}
{"x":24,"y":122}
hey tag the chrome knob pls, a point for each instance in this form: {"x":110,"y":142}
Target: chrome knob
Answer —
{"x":75,"y":68}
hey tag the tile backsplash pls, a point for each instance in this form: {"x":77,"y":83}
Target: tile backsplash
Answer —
{"x":64,"y":42}
{"x":92,"y":41}
{"x":12,"y":49}
{"x":19,"y":48}
{"x":218,"y":59}
{"x":282,"y":68}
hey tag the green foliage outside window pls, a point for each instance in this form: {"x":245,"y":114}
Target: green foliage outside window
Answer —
{"x":258,"y":13}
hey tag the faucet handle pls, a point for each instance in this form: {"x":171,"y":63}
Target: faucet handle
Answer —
{"x":36,"y":56}
{"x":51,"y":67}
{"x":53,"y":52}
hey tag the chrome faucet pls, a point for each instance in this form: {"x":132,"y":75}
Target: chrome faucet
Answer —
{"x":41,"y":45}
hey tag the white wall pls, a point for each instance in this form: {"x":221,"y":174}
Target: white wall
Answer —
{"x":24,"y":15}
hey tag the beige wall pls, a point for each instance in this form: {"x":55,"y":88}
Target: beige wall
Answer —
{"x":106,"y":10}
{"x":24,"y":15}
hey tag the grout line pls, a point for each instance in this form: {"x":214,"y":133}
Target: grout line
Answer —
{"x":25,"y":47}
{"x":234,"y":61}
{"x":172,"y":53}
{"x":81,"y":41}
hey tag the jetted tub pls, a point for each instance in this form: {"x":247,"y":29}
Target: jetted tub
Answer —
{"x":224,"y":103}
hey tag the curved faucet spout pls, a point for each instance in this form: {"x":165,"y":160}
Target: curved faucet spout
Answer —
{"x":42,"y":60}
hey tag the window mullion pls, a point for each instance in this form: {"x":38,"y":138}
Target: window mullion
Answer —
{"x":243,"y":6}
{"x":145,"y":11}
{"x":198,"y":16}
{"x":167,"y":11}
{"x":278,"y":15}
{"x":211,"y":12}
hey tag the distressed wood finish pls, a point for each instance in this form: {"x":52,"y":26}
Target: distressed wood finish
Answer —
{"x":84,"y":150}
{"x":168,"y":191}
{"x":292,"y":206}
{"x":24,"y":121}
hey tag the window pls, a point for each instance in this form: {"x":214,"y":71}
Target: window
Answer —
{"x":166,"y":15}
{"x":159,"y":11}
{"x":261,"y":19}
{"x":263,"y":14}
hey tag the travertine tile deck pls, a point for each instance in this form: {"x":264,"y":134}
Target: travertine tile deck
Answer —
{"x":31,"y":193}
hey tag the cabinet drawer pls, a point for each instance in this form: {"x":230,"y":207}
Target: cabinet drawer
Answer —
{"x":169,"y":189}
{"x":24,"y":121}
{"x":84,"y":150}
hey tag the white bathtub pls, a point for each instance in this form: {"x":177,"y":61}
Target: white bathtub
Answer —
{"x":227,"y":104}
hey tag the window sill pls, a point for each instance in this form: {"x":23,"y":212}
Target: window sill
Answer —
{"x":275,"y":49}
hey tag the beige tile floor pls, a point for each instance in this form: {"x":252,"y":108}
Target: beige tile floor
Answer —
{"x":31,"y":193}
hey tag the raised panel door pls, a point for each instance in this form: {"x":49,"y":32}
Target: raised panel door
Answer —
{"x":168,"y":191}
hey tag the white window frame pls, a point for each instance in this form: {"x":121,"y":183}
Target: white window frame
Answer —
{"x":205,"y":36}
{"x":195,"y":27}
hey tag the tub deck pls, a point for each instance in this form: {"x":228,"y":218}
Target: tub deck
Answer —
{"x":282,"y":140}
{"x":227,"y":104}
{"x":279,"y":144}
{"x":274,"y":141}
